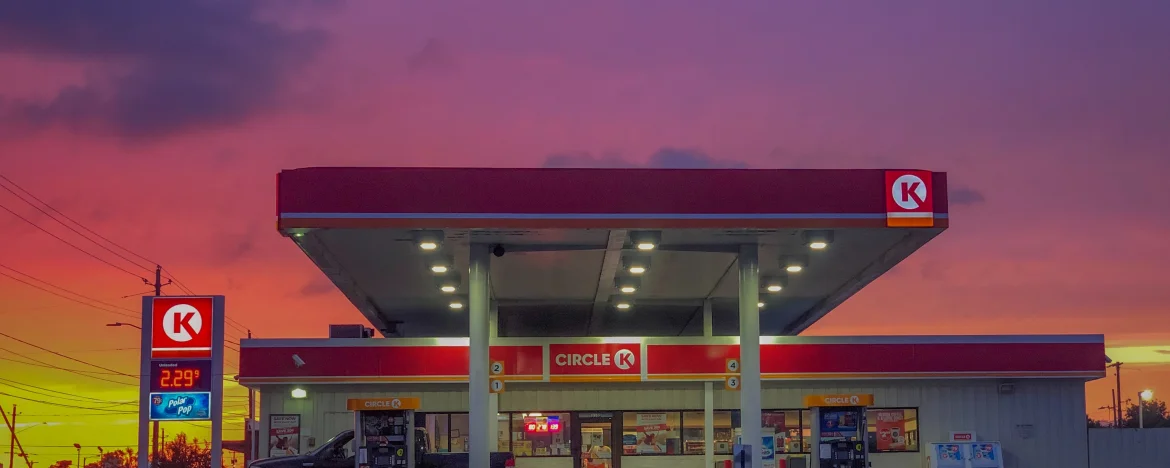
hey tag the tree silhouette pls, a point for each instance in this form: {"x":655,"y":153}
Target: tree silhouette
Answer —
{"x":179,"y":453}
{"x":1154,"y":414}
{"x":62,"y":464}
{"x":116,"y":459}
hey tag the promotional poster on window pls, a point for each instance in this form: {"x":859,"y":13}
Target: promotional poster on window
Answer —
{"x":838,"y":424}
{"x":284,"y":435}
{"x":652,"y":433}
{"x":891,"y":429}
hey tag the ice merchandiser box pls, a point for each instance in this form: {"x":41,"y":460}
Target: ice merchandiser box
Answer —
{"x":966,"y":455}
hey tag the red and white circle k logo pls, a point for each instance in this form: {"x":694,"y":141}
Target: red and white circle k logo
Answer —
{"x":181,"y":327}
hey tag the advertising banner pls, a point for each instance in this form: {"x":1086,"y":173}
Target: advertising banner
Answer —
{"x":284,"y":435}
{"x":180,"y":406}
{"x":838,"y":424}
{"x":652,"y":433}
{"x":891,"y":429}
{"x":599,"y":359}
{"x":768,"y":448}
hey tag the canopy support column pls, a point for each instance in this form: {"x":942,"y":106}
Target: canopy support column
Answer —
{"x":481,"y":436}
{"x":751,"y":414}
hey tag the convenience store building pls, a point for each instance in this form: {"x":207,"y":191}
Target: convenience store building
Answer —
{"x":614,"y":303}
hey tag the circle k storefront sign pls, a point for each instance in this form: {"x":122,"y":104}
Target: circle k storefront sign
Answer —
{"x":599,"y":359}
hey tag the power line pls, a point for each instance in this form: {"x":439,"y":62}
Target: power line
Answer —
{"x":54,"y":218}
{"x":99,"y":301}
{"x":71,"y":371}
{"x":67,"y":297}
{"x":79,"y":249}
{"x":50,"y":403}
{"x":65,"y":356}
{"x":61,"y":394}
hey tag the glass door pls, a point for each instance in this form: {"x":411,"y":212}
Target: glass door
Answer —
{"x":595,"y":441}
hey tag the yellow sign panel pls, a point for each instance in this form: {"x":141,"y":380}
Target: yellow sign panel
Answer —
{"x":495,"y":385}
{"x":497,"y":368}
{"x":731,"y":382}
{"x":383,"y":404}
{"x":848,"y":399}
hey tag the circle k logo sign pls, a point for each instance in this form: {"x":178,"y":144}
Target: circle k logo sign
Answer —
{"x":595,"y":359}
{"x":623,"y":359}
{"x":181,"y":327}
{"x":909,"y":192}
{"x":182,"y":322}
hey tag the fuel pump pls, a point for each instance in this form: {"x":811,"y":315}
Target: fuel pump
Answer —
{"x":839,"y":430}
{"x":384,"y":431}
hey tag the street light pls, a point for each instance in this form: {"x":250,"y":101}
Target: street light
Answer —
{"x":78,"y":447}
{"x":1143,"y":396}
{"x":120,"y":324}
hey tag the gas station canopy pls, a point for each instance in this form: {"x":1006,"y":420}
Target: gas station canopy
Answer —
{"x":564,"y":242}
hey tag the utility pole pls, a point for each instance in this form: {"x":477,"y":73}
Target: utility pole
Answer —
{"x":250,"y":427}
{"x":1117,"y":391}
{"x":12,"y":439}
{"x":12,"y":428}
{"x":158,"y":285}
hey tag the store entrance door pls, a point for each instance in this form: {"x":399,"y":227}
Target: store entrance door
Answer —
{"x":597,"y":440}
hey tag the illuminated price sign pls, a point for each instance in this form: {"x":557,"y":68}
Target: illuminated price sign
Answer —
{"x":542,"y":424}
{"x":180,"y":376}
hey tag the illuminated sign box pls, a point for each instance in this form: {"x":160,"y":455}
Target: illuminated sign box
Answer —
{"x":542,"y":424}
{"x":180,"y":376}
{"x":180,"y":406}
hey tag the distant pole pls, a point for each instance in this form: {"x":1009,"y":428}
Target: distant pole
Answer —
{"x":1113,"y":406}
{"x":1120,"y":408}
{"x":158,"y":285}
{"x":12,"y":439}
{"x":250,"y":427}
{"x":1141,"y":418}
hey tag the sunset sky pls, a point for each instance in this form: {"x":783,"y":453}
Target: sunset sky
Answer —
{"x":161,"y":125}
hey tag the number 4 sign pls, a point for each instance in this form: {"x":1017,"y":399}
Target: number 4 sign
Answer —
{"x":732,"y":366}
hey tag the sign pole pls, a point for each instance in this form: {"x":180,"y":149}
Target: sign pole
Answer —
{"x":217,"y":379}
{"x":144,"y":384}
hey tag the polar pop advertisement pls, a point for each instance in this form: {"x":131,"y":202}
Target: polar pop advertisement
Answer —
{"x":284,"y":435}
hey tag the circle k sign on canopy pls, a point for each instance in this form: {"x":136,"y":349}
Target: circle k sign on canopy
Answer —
{"x":909,"y":198}
{"x":595,"y":359}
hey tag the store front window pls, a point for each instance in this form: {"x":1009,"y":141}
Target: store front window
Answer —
{"x":652,"y":433}
{"x":541,"y":434}
{"x":892,"y":429}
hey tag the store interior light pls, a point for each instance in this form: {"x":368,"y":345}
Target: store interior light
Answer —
{"x":794,"y":263}
{"x":818,"y":240}
{"x":299,"y":393}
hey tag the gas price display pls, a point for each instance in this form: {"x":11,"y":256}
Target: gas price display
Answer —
{"x":180,"y":376}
